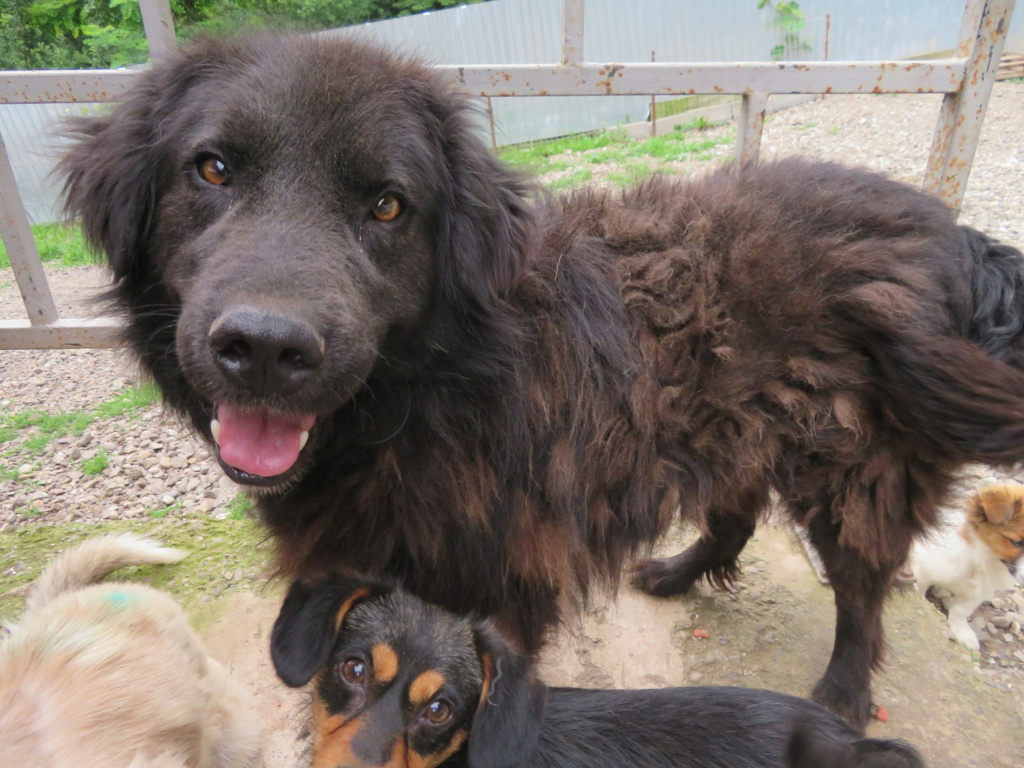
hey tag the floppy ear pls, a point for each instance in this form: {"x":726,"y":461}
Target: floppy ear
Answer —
{"x":507,"y":723}
{"x":486,"y":225}
{"x":997,"y":505}
{"x":111,"y":172}
{"x":113,"y":169}
{"x":306,"y":627}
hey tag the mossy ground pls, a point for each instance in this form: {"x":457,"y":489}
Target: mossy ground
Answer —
{"x":225,"y":555}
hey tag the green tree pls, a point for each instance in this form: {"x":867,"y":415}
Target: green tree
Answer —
{"x":67,"y":34}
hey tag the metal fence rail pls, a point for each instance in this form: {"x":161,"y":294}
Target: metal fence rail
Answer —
{"x":966,"y":78}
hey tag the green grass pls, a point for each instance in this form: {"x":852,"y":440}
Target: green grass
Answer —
{"x":214,"y":546}
{"x":570,"y":156}
{"x":47,"y":427}
{"x":96,"y":464}
{"x":58,"y":244}
{"x":240,"y":508}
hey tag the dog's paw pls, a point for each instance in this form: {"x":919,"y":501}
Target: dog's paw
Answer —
{"x":662,"y":577}
{"x":965,"y":635}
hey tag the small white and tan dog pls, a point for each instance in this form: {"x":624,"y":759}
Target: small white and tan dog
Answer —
{"x":112,"y":674}
{"x":973,"y":556}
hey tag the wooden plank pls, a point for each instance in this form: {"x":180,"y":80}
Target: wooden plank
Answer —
{"x":80,"y":333}
{"x":21,"y":247}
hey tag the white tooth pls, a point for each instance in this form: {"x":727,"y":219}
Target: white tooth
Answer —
{"x":303,"y":438}
{"x":215,"y":430}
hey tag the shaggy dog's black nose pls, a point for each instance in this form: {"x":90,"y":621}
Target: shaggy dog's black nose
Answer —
{"x":263,"y":351}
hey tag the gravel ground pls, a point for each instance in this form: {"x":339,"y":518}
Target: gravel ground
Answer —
{"x":155,"y":468}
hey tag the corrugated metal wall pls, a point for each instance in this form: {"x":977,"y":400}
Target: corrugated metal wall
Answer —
{"x":529,"y":31}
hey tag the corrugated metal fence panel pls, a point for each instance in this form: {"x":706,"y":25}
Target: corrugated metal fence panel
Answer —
{"x":529,"y":32}
{"x":28,"y":131}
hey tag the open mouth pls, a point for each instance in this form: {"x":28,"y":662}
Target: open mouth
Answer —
{"x":259,"y":446}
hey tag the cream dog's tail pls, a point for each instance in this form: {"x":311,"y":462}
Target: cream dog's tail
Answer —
{"x":94,"y":559}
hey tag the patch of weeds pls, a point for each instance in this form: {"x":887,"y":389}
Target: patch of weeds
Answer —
{"x":574,"y":179}
{"x":537,"y":154}
{"x":805,"y":126}
{"x":158,"y":513}
{"x":29,"y":511}
{"x":240,"y":507}
{"x":632,"y":174}
{"x":130,"y":399}
{"x":834,"y":130}
{"x":57,"y":243}
{"x":675,"y":147}
{"x":96,"y":464}
{"x":50,"y":426}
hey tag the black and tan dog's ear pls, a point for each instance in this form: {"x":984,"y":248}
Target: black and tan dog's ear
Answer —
{"x":308,"y":624}
{"x":507,"y":723}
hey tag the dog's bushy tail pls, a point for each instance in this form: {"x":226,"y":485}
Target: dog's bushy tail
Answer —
{"x":961,"y":391}
{"x":94,"y":559}
{"x":807,"y":749}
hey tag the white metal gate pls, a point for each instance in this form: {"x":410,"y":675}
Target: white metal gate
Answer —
{"x":966,"y":78}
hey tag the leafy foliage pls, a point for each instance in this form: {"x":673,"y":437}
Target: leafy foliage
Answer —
{"x":70,"y":34}
{"x":789,"y":19}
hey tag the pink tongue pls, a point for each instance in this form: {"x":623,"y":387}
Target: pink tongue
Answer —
{"x":261,"y":442}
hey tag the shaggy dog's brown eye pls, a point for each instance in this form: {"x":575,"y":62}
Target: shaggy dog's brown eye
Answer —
{"x":387,"y":208}
{"x":1018,"y":543}
{"x":213,"y":171}
{"x":438,"y":711}
{"x":353,"y":671}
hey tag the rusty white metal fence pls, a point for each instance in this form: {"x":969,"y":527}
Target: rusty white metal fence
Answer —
{"x":966,"y":78}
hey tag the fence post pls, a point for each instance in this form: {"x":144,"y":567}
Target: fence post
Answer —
{"x":572,"y":31}
{"x":21,"y":247}
{"x":750,"y":126}
{"x":159,"y":25}
{"x":982,"y":35}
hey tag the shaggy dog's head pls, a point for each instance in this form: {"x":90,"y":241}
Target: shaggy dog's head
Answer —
{"x":289,"y":220}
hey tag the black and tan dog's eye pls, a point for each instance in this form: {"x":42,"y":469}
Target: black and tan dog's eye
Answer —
{"x":212,"y":170}
{"x":353,"y":671}
{"x":387,"y":208}
{"x":438,"y":711}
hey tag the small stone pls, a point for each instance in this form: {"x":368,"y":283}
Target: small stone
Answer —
{"x":168,"y":498}
{"x":1019,"y":655}
{"x":25,"y":469}
{"x":695,"y":677}
{"x":1002,"y":621}
{"x":165,"y":462}
{"x":84,"y":439}
{"x":178,"y":462}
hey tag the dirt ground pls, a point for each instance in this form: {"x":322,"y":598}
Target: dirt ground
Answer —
{"x":774,"y":632}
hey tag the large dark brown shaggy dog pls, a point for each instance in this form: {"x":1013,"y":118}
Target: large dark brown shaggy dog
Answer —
{"x":499,"y":398}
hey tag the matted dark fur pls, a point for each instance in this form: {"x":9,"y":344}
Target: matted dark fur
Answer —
{"x":399,"y":683}
{"x":511,"y":394}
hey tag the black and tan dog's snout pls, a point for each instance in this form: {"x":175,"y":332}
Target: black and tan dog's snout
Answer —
{"x":266,"y":352}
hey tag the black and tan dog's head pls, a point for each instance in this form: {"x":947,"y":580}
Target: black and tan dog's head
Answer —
{"x":403,"y":684}
{"x":287,"y":217}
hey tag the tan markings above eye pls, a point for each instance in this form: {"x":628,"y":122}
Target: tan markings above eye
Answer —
{"x":213,"y":171}
{"x":385,"y":663}
{"x":425,"y":687}
{"x":387,"y":208}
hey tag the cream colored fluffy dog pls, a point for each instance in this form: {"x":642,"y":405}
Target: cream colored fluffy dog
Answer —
{"x":111,"y":675}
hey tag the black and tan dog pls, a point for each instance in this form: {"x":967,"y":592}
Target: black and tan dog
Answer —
{"x":401,"y":683}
